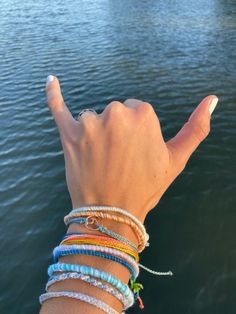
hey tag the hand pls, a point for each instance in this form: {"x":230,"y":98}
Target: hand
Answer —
{"x":119,"y":157}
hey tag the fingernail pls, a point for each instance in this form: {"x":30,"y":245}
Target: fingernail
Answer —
{"x":213,"y":104}
{"x":50,"y":79}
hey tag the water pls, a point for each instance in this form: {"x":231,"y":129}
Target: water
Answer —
{"x":169,"y":53}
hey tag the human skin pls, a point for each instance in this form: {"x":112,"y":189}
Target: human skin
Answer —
{"x":118,"y":158}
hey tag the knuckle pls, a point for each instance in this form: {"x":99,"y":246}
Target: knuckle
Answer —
{"x":114,"y":113}
{"x":201,"y":131}
{"x":88,"y":119}
{"x":198,"y":130}
{"x":146,"y":107}
{"x":146,"y":110}
{"x":115,"y":107}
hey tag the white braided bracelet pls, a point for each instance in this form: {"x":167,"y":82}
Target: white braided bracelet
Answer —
{"x":79,"y":296}
{"x":127,"y":302}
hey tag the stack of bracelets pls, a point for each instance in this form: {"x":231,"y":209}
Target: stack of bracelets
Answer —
{"x":108,"y":245}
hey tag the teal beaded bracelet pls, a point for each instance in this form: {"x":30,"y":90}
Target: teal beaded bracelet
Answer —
{"x":97,"y":273}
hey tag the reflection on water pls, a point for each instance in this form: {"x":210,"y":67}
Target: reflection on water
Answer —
{"x":170,"y":53}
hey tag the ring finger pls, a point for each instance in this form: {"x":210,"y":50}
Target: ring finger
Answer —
{"x":85,"y":112}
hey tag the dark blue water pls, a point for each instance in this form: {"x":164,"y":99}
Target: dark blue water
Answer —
{"x":170,"y":53}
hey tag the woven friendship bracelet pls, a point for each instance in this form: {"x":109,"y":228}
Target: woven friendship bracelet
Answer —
{"x":102,"y":244}
{"x":100,"y":241}
{"x":97,"y":248}
{"x":94,"y":282}
{"x":97,"y":273}
{"x":89,"y":236}
{"x":132,"y":221}
{"x":68,"y":234}
{"x":79,"y":296}
{"x":139,"y":235}
{"x":112,"y":209}
{"x":94,"y":222}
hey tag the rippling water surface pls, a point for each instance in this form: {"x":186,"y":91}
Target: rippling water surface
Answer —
{"x":169,"y":53}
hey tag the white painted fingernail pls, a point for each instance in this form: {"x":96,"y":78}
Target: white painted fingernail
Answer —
{"x":50,"y":79}
{"x":213,"y":104}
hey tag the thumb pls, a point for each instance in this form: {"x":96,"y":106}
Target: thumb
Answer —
{"x":59,"y":110}
{"x":194,"y":131}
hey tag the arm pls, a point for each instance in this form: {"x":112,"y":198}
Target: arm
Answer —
{"x":118,"y":158}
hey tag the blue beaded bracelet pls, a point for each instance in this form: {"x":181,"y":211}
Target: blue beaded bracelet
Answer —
{"x":134,"y":275}
{"x":97,"y":273}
